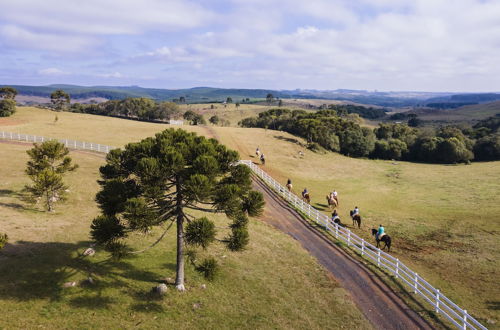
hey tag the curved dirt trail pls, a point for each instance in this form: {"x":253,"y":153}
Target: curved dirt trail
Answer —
{"x":381,"y":306}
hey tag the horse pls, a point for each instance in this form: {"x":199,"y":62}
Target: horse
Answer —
{"x":289,"y":186}
{"x":306,"y":198}
{"x":355,"y":218}
{"x":338,"y":222}
{"x":262,"y":160}
{"x":386,"y":239}
{"x":332,"y":202}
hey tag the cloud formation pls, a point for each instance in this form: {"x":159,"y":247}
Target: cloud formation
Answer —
{"x":324,"y":44}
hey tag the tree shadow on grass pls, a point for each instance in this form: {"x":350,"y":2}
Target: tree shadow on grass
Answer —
{"x":322,"y":207}
{"x":291,"y":140}
{"x":493,"y":305}
{"x":20,"y":195}
{"x":39,"y":270}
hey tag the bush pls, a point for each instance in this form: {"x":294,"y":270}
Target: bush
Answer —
{"x":487,"y":148}
{"x":209,"y":268}
{"x":3,"y":240}
{"x":7,"y":107}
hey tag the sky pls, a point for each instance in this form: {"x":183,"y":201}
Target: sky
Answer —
{"x":385,"y":45}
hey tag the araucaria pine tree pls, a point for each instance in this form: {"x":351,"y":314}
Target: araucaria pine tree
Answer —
{"x":161,"y":180}
{"x":48,"y":162}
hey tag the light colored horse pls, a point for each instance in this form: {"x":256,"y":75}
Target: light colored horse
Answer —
{"x":332,"y":201}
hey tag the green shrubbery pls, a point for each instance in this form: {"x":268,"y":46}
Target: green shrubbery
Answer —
{"x":338,"y":131}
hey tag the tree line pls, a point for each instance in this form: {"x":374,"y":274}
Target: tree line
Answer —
{"x":340,"y":132}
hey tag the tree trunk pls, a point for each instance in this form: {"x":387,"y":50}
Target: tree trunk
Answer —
{"x":179,"y":279}
{"x":49,"y":203}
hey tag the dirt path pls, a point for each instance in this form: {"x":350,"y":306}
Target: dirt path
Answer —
{"x":381,"y":306}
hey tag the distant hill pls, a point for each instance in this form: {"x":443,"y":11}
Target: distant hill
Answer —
{"x":460,"y":100}
{"x":211,"y":94}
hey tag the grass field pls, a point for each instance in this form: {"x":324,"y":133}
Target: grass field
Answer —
{"x":443,"y":218}
{"x":275,"y":283}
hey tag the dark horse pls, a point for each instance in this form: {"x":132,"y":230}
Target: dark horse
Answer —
{"x":386,"y":239}
{"x":355,"y":218}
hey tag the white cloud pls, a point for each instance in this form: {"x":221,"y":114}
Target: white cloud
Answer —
{"x":20,"y":38}
{"x":115,"y":74}
{"x":52,"y":72}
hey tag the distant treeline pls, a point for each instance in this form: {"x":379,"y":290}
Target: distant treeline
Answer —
{"x":365,"y":112}
{"x":137,"y":108}
{"x":336,"y":131}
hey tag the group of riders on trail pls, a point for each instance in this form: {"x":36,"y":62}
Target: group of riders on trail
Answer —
{"x":333,"y":200}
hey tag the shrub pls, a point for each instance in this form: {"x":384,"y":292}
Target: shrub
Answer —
{"x":209,"y":268}
{"x":3,"y":240}
{"x":7,"y":107}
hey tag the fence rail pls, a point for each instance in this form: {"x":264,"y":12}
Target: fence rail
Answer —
{"x":441,"y":304}
{"x":72,"y":144}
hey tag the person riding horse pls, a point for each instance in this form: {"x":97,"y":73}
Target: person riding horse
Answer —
{"x":289,"y":185}
{"x":262,"y":159}
{"x":355,"y":216}
{"x":257,"y":152}
{"x":380,"y":233}
{"x":335,"y":217}
{"x":305,"y":195}
{"x":334,"y":195}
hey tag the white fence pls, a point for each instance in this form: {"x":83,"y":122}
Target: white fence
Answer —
{"x":68,"y":143}
{"x":441,"y":304}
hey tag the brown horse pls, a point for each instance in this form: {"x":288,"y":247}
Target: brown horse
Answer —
{"x":386,"y":239}
{"x":355,"y":218}
{"x":332,"y":202}
{"x":306,"y":198}
{"x":289,"y":186}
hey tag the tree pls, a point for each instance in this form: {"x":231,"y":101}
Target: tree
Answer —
{"x":182,"y":99}
{"x":280,"y":103}
{"x":8,"y":93}
{"x":7,"y":107}
{"x":168,"y":110}
{"x":161,"y":180}
{"x":413,"y":120}
{"x":229,"y":100}
{"x":214,"y":119}
{"x":237,"y":105}
{"x":487,"y":148}
{"x":269,"y":98}
{"x":48,"y":162}
{"x":60,"y":99}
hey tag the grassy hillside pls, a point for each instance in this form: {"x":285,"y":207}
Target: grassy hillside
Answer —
{"x":466,"y":114}
{"x":443,"y":218}
{"x":273,"y":284}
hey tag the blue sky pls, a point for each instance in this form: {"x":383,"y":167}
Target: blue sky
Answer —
{"x":421,"y":45}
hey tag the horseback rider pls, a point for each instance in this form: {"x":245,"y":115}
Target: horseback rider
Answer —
{"x":289,"y":182}
{"x":355,"y":211}
{"x":262,"y":158}
{"x":289,"y":185}
{"x":380,"y":232}
{"x":335,"y":217}
{"x":257,"y":151}
{"x":305,"y":192}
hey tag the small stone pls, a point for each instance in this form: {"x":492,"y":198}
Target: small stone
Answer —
{"x":88,"y":281}
{"x":89,"y":252}
{"x":203,"y":286}
{"x":490,"y":321}
{"x":160,"y":289}
{"x":196,"y":305}
{"x":69,"y":284}
{"x":167,"y":280}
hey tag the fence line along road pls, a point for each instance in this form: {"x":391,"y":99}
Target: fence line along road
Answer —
{"x":68,"y":143}
{"x":441,"y":304}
